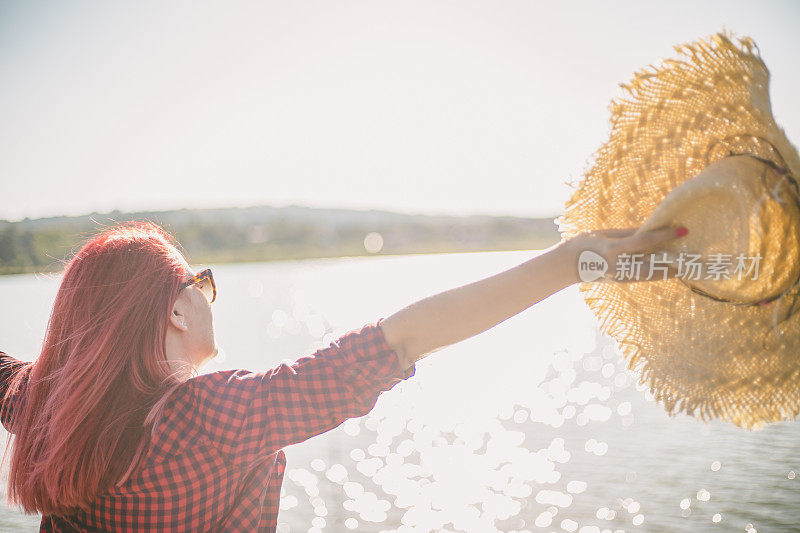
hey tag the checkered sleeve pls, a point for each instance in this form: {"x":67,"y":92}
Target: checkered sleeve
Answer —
{"x":8,"y":367}
{"x":250,"y":415}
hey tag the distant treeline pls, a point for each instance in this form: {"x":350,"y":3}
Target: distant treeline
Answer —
{"x":275,"y":233}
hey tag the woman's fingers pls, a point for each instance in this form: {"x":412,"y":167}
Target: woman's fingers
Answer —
{"x":646,"y":241}
{"x":614,"y":243}
{"x":616,"y":232}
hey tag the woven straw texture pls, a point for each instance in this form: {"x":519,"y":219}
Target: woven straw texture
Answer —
{"x":700,"y":356}
{"x":754,"y":212}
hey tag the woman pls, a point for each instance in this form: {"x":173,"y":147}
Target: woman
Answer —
{"x":115,"y":431}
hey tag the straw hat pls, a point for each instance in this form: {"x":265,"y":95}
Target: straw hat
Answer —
{"x":693,"y":143}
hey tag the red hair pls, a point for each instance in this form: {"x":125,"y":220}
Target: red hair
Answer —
{"x":102,"y":377}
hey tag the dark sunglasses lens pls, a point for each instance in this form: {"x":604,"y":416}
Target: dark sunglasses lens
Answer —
{"x":207,"y":287}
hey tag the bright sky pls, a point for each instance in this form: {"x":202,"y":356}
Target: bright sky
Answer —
{"x":417,"y":106}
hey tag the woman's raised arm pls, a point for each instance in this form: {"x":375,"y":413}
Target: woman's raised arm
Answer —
{"x":446,"y":318}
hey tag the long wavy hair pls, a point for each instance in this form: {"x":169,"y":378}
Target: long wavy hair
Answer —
{"x":99,"y":385}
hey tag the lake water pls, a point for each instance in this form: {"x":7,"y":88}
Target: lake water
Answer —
{"x":534,"y":425}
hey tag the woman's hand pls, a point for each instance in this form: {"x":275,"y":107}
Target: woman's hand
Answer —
{"x":622,"y":254}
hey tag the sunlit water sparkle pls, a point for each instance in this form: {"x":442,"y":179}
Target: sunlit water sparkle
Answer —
{"x":534,"y":425}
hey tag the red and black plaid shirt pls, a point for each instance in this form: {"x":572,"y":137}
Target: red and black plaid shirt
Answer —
{"x":215,"y":461}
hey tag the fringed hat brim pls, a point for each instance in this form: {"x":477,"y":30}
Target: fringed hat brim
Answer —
{"x":699,"y":356}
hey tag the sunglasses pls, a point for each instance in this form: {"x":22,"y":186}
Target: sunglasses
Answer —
{"x":205,"y":282}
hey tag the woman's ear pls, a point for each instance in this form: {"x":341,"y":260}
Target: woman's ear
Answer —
{"x":177,"y":318}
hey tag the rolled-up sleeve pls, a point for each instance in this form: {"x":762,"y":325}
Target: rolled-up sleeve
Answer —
{"x":9,"y":366}
{"x":251,"y":415}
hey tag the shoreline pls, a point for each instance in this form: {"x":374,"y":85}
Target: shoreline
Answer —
{"x":283,"y":254}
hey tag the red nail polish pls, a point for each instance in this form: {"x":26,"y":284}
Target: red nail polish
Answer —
{"x":681,"y":231}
